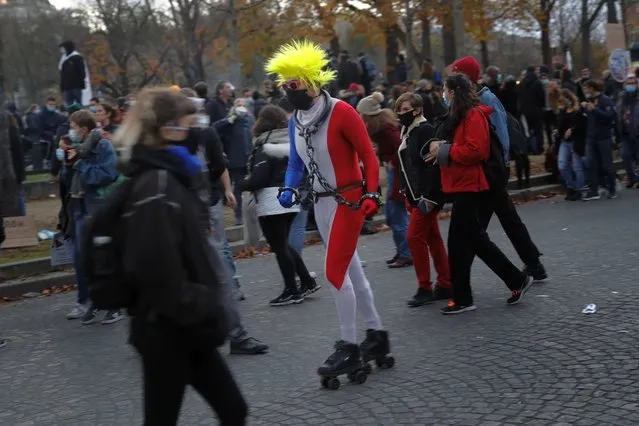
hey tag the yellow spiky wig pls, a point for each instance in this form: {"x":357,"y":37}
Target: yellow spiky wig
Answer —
{"x":303,"y":60}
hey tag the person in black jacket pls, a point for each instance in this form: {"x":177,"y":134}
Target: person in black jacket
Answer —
{"x":72,"y":74}
{"x":266,"y":167}
{"x":204,"y":142}
{"x":421,"y":184}
{"x":533,"y":96}
{"x":179,"y":315}
{"x":218,"y":108}
{"x":17,"y":158}
{"x":571,"y":131}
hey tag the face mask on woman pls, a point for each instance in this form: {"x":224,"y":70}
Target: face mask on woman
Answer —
{"x":73,"y":135}
{"x":631,"y":88}
{"x":406,"y":118}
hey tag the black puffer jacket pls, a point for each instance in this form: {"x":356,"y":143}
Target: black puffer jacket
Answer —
{"x":167,"y":256}
{"x":418,"y":179}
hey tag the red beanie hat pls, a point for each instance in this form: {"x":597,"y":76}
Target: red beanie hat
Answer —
{"x":468,"y":66}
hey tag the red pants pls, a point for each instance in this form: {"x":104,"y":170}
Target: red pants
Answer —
{"x":423,"y":236}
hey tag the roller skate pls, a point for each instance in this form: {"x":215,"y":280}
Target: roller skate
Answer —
{"x":345,"y":360}
{"x":376,"y":347}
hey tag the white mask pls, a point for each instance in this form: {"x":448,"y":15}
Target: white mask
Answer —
{"x":241,"y":111}
{"x":203,"y":120}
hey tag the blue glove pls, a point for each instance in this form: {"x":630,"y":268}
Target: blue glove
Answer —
{"x":286,"y":199}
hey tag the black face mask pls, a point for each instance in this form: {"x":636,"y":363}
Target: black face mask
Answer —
{"x":406,"y":118}
{"x":300,"y":99}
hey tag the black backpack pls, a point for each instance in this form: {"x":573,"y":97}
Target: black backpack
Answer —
{"x":518,"y":140}
{"x":103,"y":248}
{"x":495,"y":167}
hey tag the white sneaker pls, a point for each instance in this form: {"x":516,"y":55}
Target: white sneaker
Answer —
{"x":77,"y":312}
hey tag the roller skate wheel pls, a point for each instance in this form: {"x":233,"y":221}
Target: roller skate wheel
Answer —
{"x":333,"y":383}
{"x":367,"y":369}
{"x":360,"y":377}
{"x":324,"y":382}
{"x":352,"y":376}
{"x":386,"y":363}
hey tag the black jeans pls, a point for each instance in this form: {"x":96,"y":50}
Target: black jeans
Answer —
{"x":550,"y":120}
{"x":170,"y":361}
{"x":504,"y":208}
{"x":276,"y":229}
{"x":467,"y":238}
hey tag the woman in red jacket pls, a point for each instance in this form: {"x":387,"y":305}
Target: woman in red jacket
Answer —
{"x":383,"y":129}
{"x":462,"y":174}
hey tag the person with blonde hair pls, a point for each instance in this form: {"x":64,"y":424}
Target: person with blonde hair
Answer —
{"x":383,"y":129}
{"x":178,"y":313}
{"x":328,"y":138}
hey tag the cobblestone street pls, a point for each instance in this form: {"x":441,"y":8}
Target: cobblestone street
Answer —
{"x":541,"y":362}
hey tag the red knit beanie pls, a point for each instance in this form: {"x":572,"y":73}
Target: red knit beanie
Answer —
{"x":468,"y":66}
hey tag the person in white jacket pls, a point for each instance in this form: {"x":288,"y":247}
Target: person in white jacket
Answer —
{"x":267,"y":167}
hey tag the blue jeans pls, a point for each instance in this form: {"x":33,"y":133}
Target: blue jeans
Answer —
{"x":83,"y":288}
{"x":570,"y":163}
{"x":297,"y":234}
{"x":73,"y":96}
{"x":396,"y":218}
{"x":226,"y":270}
{"x":600,"y":166}
{"x":629,"y":156}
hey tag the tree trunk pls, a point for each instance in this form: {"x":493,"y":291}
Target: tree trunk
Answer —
{"x":409,"y":40}
{"x":335,"y":47}
{"x":448,"y":39}
{"x":586,"y":51}
{"x":485,"y":60}
{"x":624,"y":20}
{"x":427,"y":48}
{"x":612,"y":12}
{"x":234,"y":46}
{"x":544,"y":25}
{"x":9,"y":205}
{"x":392,"y":50}
{"x":458,"y":25}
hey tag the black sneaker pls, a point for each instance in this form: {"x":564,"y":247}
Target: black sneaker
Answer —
{"x":443,"y":293}
{"x":287,"y":298}
{"x":569,"y":195}
{"x":310,"y":288}
{"x":453,"y":309}
{"x":248,"y":346}
{"x":517,"y":295}
{"x":392,"y":259}
{"x":538,"y":272}
{"x":421,"y":298}
{"x":591,"y":195}
{"x":89,"y":316}
{"x":612,"y":195}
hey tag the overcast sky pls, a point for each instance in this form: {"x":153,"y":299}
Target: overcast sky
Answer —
{"x":62,"y":3}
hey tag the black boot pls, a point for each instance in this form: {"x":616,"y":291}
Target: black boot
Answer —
{"x":344,"y":360}
{"x":376,"y":347}
{"x":421,"y":298}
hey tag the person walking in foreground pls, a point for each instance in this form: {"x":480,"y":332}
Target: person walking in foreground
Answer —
{"x":330,"y":139}
{"x":464,"y":176}
{"x":424,"y":198}
{"x":383,"y":129}
{"x":267,"y":168}
{"x":179,"y":318}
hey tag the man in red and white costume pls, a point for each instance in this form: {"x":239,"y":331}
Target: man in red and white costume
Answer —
{"x":329,"y":139}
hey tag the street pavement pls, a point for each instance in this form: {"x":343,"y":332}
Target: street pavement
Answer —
{"x":541,"y":362}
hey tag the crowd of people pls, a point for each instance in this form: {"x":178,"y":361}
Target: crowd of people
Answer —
{"x":311,"y":141}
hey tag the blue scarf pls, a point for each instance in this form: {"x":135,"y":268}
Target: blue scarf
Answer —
{"x":191,"y":163}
